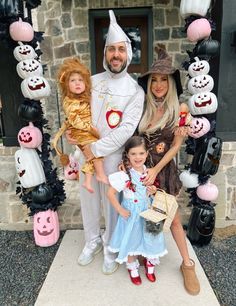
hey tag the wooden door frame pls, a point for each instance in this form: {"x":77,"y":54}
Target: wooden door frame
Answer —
{"x":94,"y":14}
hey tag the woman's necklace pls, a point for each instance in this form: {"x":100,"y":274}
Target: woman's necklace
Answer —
{"x":159,"y":102}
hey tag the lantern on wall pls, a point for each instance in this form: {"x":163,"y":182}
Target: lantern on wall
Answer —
{"x":35,"y":88}
{"x":199,"y":127}
{"x":30,"y":136}
{"x":46,"y":228}
{"x":21,"y":31}
{"x":29,"y":68}
{"x":200,"y":83}
{"x":23,"y":52}
{"x":194,"y":7}
{"x":29,"y":168}
{"x":198,"y":67}
{"x":203,"y":103}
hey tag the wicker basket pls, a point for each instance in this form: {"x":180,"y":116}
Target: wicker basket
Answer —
{"x":164,"y":207}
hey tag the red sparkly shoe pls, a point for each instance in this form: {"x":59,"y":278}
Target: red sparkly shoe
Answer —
{"x":148,"y":266}
{"x":135,"y":280}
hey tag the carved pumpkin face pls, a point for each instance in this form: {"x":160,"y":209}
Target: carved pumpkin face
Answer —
{"x":200,"y":83}
{"x":36,"y":88}
{"x":21,"y":31}
{"x":203,"y":103}
{"x":207,"y":156}
{"x":199,"y":127}
{"x":29,"y":68}
{"x":198,"y":68}
{"x":201,"y":224}
{"x":29,"y":168}
{"x":24,"y":52}
{"x":30,"y":136}
{"x":71,"y":171}
{"x":46,"y":228}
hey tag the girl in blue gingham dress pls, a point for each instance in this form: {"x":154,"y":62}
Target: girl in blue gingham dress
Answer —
{"x":130,"y":238}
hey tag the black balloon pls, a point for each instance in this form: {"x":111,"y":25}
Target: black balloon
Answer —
{"x":30,"y":110}
{"x":201,"y":225}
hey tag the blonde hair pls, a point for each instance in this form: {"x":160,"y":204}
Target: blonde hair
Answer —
{"x":171,"y":108}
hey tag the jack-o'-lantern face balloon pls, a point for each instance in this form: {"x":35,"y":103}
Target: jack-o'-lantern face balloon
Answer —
{"x":29,"y":168}
{"x":24,"y":52}
{"x":46,"y":228}
{"x":198,"y":67}
{"x":203,"y":103}
{"x":30,"y":136}
{"x":71,"y":171}
{"x":35,"y":88}
{"x":198,"y":127}
{"x":29,"y":68}
{"x":200,"y":83}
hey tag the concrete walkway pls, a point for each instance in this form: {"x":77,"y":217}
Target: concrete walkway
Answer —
{"x":68,"y":284}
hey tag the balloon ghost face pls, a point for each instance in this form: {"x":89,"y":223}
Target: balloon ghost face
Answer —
{"x":24,"y":52}
{"x":35,"y":88}
{"x":200,"y":83}
{"x":29,"y":68}
{"x":203,"y":103}
{"x":71,"y":171}
{"x":29,"y":168}
{"x":199,"y":127}
{"x":198,"y":68}
{"x":46,"y":228}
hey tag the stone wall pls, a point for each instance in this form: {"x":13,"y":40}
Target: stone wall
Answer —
{"x":65,"y":23}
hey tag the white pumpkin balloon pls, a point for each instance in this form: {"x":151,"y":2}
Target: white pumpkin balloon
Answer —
{"x":24,"y":52}
{"x":199,"y":67}
{"x":29,"y":168}
{"x":203,"y":103}
{"x":29,"y":68}
{"x":188,"y":179}
{"x":194,"y":7}
{"x":199,"y":127}
{"x":35,"y":88}
{"x":200,"y":83}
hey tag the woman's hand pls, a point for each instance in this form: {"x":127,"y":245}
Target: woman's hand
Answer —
{"x":150,"y":177}
{"x":70,"y":140}
{"x":124,"y":212}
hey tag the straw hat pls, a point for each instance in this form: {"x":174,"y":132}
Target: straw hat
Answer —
{"x":162,"y":65}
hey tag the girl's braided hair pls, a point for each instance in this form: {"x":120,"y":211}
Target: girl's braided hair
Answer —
{"x":133,"y":142}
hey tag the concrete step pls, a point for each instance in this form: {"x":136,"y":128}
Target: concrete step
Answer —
{"x":68,"y":284}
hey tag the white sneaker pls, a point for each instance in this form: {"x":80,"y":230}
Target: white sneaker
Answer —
{"x":109,"y":268}
{"x":89,"y":252}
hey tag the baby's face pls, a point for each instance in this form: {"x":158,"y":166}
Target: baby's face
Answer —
{"x":76,"y":83}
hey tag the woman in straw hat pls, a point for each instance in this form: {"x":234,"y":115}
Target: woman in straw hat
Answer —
{"x":158,"y":125}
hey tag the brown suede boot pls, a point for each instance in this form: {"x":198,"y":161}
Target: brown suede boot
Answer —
{"x":191,"y":282}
